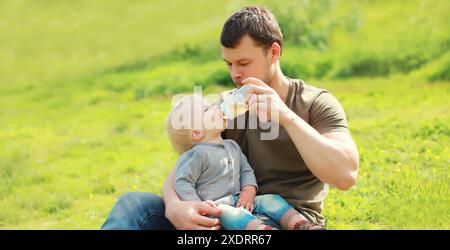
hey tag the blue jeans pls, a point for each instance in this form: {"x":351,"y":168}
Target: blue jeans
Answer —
{"x":270,"y":205}
{"x":143,"y":211}
{"x":138,"y":211}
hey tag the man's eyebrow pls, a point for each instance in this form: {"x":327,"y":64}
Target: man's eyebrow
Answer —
{"x":240,"y":60}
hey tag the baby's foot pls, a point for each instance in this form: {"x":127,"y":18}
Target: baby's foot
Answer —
{"x":306,"y":225}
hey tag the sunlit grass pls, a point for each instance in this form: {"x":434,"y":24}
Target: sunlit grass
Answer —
{"x":71,"y":164}
{"x":46,"y":40}
{"x":84,"y":93}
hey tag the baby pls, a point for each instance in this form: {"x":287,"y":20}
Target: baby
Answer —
{"x":215,"y":171}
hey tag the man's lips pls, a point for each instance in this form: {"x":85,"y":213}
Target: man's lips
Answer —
{"x":238,"y":83}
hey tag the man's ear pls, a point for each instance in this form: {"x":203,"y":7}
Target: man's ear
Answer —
{"x":196,"y":134}
{"x":275,"y":52}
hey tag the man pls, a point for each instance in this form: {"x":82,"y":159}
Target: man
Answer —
{"x":313,"y":149}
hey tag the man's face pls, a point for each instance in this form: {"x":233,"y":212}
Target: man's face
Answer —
{"x":248,"y":60}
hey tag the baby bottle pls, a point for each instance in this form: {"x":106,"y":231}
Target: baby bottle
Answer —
{"x":234,"y":105}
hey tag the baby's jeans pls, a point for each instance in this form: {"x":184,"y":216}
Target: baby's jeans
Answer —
{"x":270,"y":205}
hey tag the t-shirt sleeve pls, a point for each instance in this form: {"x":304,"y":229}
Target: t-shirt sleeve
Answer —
{"x":189,"y":168}
{"x":327,"y":115}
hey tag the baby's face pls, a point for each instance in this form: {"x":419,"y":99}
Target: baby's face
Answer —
{"x":198,"y":113}
{"x":211,"y":116}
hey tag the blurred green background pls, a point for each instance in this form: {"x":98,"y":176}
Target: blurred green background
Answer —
{"x":85,"y":87}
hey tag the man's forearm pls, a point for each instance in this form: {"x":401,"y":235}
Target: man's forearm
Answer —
{"x":332,"y":161}
{"x":185,"y":215}
{"x":168,"y":192}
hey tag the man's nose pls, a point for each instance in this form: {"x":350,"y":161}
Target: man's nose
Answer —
{"x":235,"y":73}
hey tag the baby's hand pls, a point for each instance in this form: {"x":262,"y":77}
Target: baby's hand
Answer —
{"x":210,"y":202}
{"x":247,"y":198}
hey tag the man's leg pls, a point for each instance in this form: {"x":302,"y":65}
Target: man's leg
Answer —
{"x":138,"y":211}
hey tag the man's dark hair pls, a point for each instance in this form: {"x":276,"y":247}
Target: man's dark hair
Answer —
{"x":257,"y":22}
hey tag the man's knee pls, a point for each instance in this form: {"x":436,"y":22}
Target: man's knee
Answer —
{"x":132,"y":210}
{"x":140,"y":201}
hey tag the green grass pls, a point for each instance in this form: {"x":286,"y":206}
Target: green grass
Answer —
{"x":403,"y":134}
{"x":66,"y":166}
{"x":85,"y":90}
{"x":40,"y":43}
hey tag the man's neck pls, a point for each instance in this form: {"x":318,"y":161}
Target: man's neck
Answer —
{"x":280,"y":84}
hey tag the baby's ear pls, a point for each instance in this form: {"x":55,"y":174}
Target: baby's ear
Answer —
{"x":196,"y":134}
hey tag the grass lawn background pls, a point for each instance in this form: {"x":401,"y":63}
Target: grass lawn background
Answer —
{"x":85,"y":89}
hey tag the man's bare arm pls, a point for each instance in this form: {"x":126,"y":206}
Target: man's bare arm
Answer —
{"x":168,"y":191}
{"x":331,"y":157}
{"x":187,"y":214}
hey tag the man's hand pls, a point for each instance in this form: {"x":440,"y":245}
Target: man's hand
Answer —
{"x":247,"y":198}
{"x":193,"y":215}
{"x":265,"y":102}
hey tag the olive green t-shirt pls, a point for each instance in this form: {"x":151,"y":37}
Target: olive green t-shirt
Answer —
{"x":278,"y":166}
